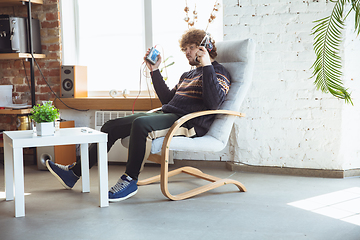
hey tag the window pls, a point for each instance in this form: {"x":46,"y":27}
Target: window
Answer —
{"x":110,"y":38}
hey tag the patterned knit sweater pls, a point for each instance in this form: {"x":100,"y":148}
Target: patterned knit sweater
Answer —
{"x":203,"y":88}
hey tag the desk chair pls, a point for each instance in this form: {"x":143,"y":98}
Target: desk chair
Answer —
{"x":238,"y":58}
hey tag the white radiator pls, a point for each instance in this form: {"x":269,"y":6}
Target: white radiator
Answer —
{"x":117,"y":153}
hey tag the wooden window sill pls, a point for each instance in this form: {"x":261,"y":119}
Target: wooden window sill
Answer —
{"x":106,"y":103}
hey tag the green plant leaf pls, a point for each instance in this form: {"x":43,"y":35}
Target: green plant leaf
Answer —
{"x":327,"y":66}
{"x":356,"y":7}
{"x":44,"y":113}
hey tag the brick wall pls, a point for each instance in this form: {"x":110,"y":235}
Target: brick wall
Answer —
{"x":16,"y":72}
{"x":288,"y":122}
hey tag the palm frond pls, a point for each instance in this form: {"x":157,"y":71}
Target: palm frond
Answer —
{"x":356,"y":7}
{"x":327,"y":66}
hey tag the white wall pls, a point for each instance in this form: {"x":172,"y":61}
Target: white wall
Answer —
{"x":288,"y":122}
{"x":351,"y":115}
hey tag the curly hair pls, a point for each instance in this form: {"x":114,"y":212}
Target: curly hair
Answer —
{"x":195,"y":36}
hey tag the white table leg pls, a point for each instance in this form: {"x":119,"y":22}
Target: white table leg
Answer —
{"x":85,"y":178}
{"x":8,"y":170}
{"x":19,"y":182}
{"x":103,"y":174}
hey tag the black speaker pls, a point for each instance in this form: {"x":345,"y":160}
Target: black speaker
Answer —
{"x":36,"y":36}
{"x":73,"y":81}
{"x":14,"y":35}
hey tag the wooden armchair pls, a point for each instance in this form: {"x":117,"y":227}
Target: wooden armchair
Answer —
{"x":238,"y":58}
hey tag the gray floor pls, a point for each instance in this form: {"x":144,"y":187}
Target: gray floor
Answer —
{"x":261,"y":213}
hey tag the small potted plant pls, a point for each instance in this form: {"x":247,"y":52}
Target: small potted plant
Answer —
{"x":44,"y":116}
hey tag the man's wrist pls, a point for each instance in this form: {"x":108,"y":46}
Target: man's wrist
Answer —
{"x":207,"y":64}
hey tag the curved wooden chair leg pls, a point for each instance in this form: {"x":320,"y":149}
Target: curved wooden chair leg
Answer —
{"x":216,"y":182}
{"x":205,"y":188}
{"x":164,"y":178}
{"x":149,"y":181}
{"x":188,"y":170}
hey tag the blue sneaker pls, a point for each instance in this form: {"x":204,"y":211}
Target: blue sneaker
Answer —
{"x":63,"y":173}
{"x":125,"y":187}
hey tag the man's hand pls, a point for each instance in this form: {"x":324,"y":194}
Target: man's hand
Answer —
{"x":203,"y":56}
{"x":149,"y":65}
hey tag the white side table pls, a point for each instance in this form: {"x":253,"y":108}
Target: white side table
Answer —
{"x":15,"y":141}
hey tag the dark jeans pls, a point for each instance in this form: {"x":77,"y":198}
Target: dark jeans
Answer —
{"x":142,"y":129}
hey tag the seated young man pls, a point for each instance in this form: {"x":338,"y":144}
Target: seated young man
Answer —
{"x":202,"y":88}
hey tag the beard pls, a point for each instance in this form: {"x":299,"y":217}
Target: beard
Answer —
{"x":193,"y":62}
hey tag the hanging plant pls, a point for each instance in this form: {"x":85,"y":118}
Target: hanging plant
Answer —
{"x":328,"y":31}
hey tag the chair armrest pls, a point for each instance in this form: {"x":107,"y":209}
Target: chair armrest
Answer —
{"x":190,"y":116}
{"x":154,"y":110}
{"x":187,"y":117}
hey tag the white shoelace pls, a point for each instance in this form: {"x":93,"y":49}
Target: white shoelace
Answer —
{"x":63,"y":167}
{"x":120,"y":185}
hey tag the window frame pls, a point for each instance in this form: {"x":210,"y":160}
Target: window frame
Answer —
{"x":73,"y":43}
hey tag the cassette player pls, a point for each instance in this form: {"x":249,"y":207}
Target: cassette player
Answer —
{"x":153,"y":56}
